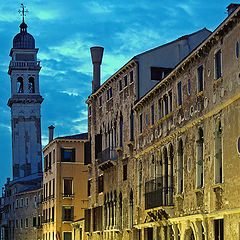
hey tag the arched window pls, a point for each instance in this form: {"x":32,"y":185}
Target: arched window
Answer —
{"x":31,"y":86}
{"x":131,"y":209}
{"x":200,"y":158}
{"x":180,"y":167}
{"x":218,"y":153}
{"x":20,"y":85}
{"x":120,"y":210}
{"x":170,"y":182}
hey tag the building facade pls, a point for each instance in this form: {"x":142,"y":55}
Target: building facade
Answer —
{"x":166,"y":166}
{"x":64,"y":185}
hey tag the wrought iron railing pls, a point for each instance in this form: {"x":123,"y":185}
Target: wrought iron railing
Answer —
{"x":107,"y":154}
{"x":24,"y":64}
{"x":156,"y":195}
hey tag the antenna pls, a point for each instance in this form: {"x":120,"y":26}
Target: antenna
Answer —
{"x":22,"y":11}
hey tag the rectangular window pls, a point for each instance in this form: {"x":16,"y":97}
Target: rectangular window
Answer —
{"x":100,"y":101}
{"x":68,"y":155}
{"x":146,"y":120}
{"x":124,"y":172}
{"x":120,"y":85}
{"x":53,"y":187}
{"x":125,"y":81}
{"x":159,"y":73}
{"x":141,"y":123}
{"x":218,"y":229}
{"x":152,"y":110}
{"x":131,"y":76}
{"x":89,"y":187}
{"x":67,"y":213}
{"x":67,"y":187}
{"x":100,"y":184}
{"x":108,"y":96}
{"x":16,"y":223}
{"x":179,"y":90}
{"x":200,"y":78}
{"x":21,"y":223}
{"x":218,"y":65}
{"x":67,"y":235}
{"x":34,"y":221}
{"x":50,"y":188}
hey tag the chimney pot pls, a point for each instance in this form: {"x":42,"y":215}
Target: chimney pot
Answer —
{"x":96,"y":54}
{"x":51,"y":130}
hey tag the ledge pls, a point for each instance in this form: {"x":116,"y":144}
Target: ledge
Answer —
{"x":130,"y":143}
{"x":179,"y":107}
{"x":200,"y":93}
{"x":199,"y":190}
{"x":139,"y":135}
{"x":217,"y":81}
{"x":119,"y":149}
{"x":152,"y":126}
{"x":180,"y":195}
{"x":218,"y":185}
{"x":167,"y":116}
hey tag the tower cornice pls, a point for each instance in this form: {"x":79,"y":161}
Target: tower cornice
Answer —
{"x":25,"y":99}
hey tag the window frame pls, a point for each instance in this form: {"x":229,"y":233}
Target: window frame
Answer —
{"x":200,"y":78}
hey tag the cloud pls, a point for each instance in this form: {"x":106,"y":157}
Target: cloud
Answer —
{"x":95,"y":7}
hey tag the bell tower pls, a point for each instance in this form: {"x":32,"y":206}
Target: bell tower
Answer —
{"x":25,"y":103}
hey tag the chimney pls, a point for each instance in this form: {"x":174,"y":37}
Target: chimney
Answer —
{"x":51,"y":129}
{"x":97,"y":54}
{"x":232,"y":7}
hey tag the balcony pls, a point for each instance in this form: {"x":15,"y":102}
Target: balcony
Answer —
{"x":156,"y":195}
{"x":106,"y":158}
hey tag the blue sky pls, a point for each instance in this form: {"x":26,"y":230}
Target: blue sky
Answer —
{"x":65,"y":30}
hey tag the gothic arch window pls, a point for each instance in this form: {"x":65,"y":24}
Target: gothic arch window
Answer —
{"x":200,"y":158}
{"x":20,"y":85}
{"x":131,"y":209}
{"x":180,"y":167}
{"x":31,"y":85}
{"x":218,"y":153}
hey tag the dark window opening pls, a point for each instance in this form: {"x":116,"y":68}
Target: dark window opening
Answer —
{"x":159,"y":73}
{"x":20,"y":85}
{"x":141,"y":124}
{"x":34,"y":221}
{"x":189,"y":87}
{"x":68,"y":191}
{"x":200,"y":78}
{"x":237,"y":49}
{"x":100,"y":184}
{"x":170,"y":101}
{"x":124,"y":172}
{"x":219,"y":229}
{"x":165,"y":99}
{"x":31,"y":86}
{"x":131,"y":126}
{"x":120,"y":85}
{"x":100,"y":101}
{"x":125,"y":81}
{"x":67,"y":213}
{"x":89,"y":187}
{"x":68,"y":155}
{"x":218,"y":64}
{"x":131,"y":76}
{"x":121,"y":131}
{"x":67,"y":236}
{"x":179,"y":87}
{"x":152,"y":110}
